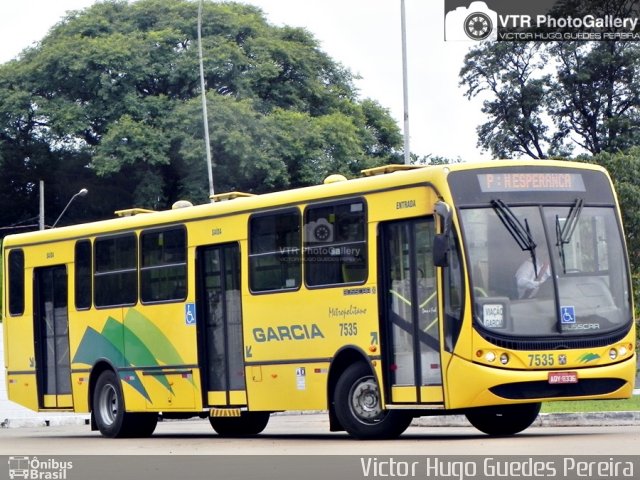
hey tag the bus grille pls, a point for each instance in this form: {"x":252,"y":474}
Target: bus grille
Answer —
{"x":542,"y":389}
{"x":553,"y":343}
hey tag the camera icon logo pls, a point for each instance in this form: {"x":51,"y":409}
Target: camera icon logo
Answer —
{"x":320,"y":231}
{"x":476,"y":22}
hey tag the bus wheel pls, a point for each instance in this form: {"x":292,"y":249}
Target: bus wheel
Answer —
{"x":503,"y":419}
{"x":108,"y":406}
{"x":142,"y":424}
{"x":247,"y":424}
{"x":359,"y":410}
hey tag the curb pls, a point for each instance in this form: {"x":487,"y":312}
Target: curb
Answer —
{"x":36,"y":422}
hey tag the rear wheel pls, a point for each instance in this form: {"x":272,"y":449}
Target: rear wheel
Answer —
{"x":110,"y":415}
{"x":247,"y":424}
{"x":108,"y":405}
{"x":358,"y":406}
{"x":504,"y":419}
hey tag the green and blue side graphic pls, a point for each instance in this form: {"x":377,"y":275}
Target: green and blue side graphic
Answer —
{"x":136,"y":343}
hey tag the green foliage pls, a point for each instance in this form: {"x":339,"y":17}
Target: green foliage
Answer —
{"x":624,"y":169}
{"x":110,"y":100}
{"x":544,"y":99}
{"x":582,"y":406}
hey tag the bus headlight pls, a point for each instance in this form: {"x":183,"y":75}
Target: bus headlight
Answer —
{"x":490,"y":356}
{"x":504,"y":359}
{"x":613,"y":354}
{"x":622,"y":351}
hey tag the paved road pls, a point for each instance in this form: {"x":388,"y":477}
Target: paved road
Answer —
{"x":309,"y":435}
{"x":297,"y":447}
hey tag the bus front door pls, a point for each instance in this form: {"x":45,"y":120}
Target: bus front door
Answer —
{"x":51,"y":329}
{"x":410,"y":328}
{"x":220,"y":332}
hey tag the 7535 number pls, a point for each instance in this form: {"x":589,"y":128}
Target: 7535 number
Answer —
{"x":541,"y":360}
{"x":348,"y":329}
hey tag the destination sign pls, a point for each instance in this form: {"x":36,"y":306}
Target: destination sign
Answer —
{"x":539,"y":182}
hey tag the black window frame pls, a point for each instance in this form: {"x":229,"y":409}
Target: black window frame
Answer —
{"x":290,"y":254}
{"x":163,"y":264}
{"x":16,"y":297}
{"x":83,"y":275}
{"x":100,"y":275}
{"x":308,"y":245}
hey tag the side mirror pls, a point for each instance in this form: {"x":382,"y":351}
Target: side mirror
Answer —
{"x":442,"y":212}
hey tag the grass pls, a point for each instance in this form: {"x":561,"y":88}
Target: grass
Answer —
{"x":628,"y":405}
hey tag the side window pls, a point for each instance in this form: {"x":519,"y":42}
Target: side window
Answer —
{"x":274,"y":251}
{"x":115,"y":274}
{"x":163,"y":265}
{"x":83,"y":274}
{"x":335,"y":246}
{"x":16,"y":282}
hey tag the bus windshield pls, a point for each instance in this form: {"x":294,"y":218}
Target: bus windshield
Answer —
{"x":546,"y":270}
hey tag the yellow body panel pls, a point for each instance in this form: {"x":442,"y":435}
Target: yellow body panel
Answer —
{"x":22,"y":389}
{"x":300,"y":386}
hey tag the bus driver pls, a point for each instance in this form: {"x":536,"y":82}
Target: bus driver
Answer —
{"x":529,"y":278}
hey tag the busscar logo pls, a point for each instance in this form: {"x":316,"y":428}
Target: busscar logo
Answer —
{"x":476,"y":22}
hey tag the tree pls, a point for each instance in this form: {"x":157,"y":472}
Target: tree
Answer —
{"x":624,"y":169}
{"x":509,"y":73}
{"x":110,"y":100}
{"x":545,"y":99}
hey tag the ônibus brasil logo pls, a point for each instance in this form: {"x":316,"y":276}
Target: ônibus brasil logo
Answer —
{"x":33,"y":468}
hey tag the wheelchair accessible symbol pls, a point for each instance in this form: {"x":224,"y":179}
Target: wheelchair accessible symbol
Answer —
{"x":190,"y":313}
{"x":568,"y":315}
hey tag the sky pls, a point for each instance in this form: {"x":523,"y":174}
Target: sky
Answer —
{"x":363,"y":35}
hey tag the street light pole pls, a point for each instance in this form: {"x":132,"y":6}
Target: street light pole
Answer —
{"x":81,"y":193}
{"x":405,"y":85}
{"x":41,"y":214}
{"x":204,"y":102}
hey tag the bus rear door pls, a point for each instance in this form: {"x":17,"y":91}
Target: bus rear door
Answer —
{"x":220,"y":331}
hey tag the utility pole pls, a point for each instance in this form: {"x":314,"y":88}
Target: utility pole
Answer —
{"x":204,"y":103}
{"x":405,"y":85}
{"x":41,"y":215}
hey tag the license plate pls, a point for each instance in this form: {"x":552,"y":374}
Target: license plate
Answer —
{"x":563,"y":377}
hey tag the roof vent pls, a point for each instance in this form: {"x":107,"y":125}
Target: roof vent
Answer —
{"x":130,"y":212}
{"x":335,"y":178}
{"x":221,"y":197}
{"x":370,"y":172}
{"x":181,"y":204}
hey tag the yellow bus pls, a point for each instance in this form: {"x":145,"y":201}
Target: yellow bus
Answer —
{"x":477,"y":289}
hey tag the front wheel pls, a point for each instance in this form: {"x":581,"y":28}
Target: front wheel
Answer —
{"x":358,"y":406}
{"x":504,"y":419}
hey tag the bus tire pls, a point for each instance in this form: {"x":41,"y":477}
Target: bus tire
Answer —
{"x":108,"y":406}
{"x":246,"y":425}
{"x":142,"y":424}
{"x":503,"y":420}
{"x":358,"y":406}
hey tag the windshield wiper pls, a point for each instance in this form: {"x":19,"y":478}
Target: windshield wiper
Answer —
{"x":565,"y":232}
{"x":520,"y":233}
